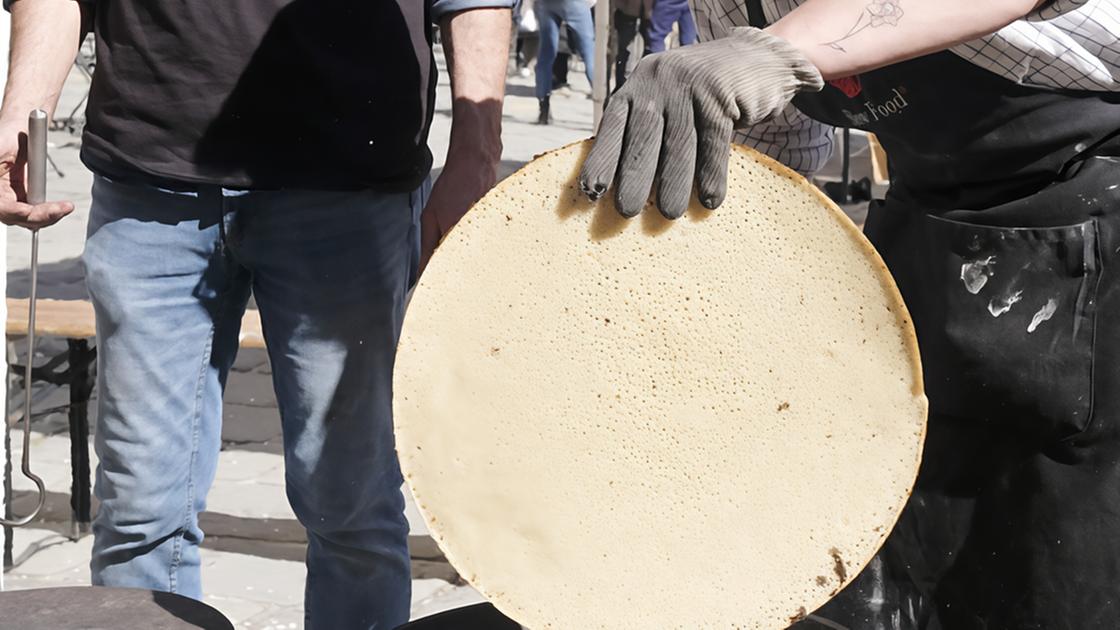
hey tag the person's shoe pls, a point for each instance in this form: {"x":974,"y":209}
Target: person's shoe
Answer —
{"x":545,"y":117}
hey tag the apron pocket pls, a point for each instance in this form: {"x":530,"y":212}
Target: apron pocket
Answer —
{"x":1007,"y":323}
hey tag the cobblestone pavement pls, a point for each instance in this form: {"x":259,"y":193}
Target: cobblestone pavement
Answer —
{"x":253,"y":570}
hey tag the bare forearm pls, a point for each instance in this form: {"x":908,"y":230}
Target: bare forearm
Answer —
{"x":845,"y":37}
{"x":476,"y":43}
{"x":45,"y":39}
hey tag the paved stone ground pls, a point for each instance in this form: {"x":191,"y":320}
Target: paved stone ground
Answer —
{"x":252,"y":556}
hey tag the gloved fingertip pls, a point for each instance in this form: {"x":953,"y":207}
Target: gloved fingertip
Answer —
{"x":628,"y":213}
{"x":671,"y":211}
{"x":711,"y":202}
{"x":594,"y":191}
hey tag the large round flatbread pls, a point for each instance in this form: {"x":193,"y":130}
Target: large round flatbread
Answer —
{"x":707,"y":423}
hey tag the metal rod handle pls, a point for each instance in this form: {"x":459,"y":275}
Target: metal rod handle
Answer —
{"x":36,"y":194}
{"x":37,"y":157}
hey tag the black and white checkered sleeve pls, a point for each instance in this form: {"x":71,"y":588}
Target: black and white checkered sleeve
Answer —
{"x":1076,"y":46}
{"x":793,"y":139}
{"x":1065,"y":44}
{"x":1054,"y":8}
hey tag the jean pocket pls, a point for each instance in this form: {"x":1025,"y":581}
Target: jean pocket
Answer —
{"x":1007,"y":331}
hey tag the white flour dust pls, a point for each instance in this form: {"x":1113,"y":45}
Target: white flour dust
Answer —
{"x":975,"y":274}
{"x":1043,"y":314}
{"x":1000,"y":305}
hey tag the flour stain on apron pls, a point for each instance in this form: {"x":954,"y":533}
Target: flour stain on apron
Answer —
{"x":999,"y":305}
{"x":975,"y":274}
{"x":1043,"y":314}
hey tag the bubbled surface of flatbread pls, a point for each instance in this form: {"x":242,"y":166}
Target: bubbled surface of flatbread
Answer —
{"x":610,"y":423}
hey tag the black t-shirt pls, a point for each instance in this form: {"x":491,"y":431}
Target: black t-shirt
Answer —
{"x":325,"y":94}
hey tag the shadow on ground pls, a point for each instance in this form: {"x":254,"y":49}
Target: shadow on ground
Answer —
{"x":63,"y":280}
{"x":274,"y":538}
{"x":528,"y":91}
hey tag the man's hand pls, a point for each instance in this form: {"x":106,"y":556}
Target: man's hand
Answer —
{"x":463,"y":181}
{"x":14,"y":209}
{"x":674,"y":118}
{"x":476,"y":45}
{"x":45,"y":39}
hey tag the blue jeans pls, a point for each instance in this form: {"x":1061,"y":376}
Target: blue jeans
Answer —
{"x":665,"y":14}
{"x":550,"y":15}
{"x":170,"y":275}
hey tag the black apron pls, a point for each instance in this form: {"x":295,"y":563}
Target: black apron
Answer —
{"x":1002,"y":230}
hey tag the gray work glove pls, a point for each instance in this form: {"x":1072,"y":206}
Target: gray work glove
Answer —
{"x":682,"y":106}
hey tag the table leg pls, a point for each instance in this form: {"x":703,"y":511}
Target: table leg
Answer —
{"x":12,"y":358}
{"x":81,"y":389}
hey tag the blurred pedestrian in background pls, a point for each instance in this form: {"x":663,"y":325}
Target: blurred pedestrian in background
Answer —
{"x":665,"y":14}
{"x":563,"y":58}
{"x":551,"y":14}
{"x":631,"y":17}
{"x":525,"y":31}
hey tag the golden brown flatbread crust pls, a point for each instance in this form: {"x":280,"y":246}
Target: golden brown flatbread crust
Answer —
{"x":707,"y":423}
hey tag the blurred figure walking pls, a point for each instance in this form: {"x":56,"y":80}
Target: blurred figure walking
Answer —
{"x":631,"y":17}
{"x":551,"y":14}
{"x":525,"y":32}
{"x":665,"y":14}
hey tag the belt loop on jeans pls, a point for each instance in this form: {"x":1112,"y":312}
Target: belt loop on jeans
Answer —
{"x":211,"y":196}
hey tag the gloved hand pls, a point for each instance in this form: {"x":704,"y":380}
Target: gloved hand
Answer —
{"x":682,"y":106}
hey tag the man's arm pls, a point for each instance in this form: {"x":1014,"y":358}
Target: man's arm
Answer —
{"x":690,"y":99}
{"x":45,"y":39}
{"x":476,"y":45}
{"x":846,"y":37}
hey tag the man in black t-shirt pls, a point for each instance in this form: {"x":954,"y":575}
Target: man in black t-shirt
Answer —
{"x":277,"y":147}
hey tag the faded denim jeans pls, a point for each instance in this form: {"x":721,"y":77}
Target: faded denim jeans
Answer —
{"x":170,"y":274}
{"x":577,"y":15}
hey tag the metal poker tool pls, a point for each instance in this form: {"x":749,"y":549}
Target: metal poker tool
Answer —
{"x":36,"y":194}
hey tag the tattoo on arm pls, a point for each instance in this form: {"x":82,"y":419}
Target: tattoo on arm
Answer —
{"x":877,"y":13}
